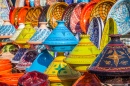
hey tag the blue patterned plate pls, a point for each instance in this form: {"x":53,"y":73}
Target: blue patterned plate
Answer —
{"x":95,"y":30}
{"x":120,"y":12}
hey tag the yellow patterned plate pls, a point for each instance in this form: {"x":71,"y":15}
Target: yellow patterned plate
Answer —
{"x":101,"y":9}
{"x":55,"y":13}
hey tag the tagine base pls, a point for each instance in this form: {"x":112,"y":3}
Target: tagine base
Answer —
{"x":115,"y":81}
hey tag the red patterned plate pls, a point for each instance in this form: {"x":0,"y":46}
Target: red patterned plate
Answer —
{"x":67,"y":13}
{"x":75,"y":18}
{"x":22,"y":13}
{"x":85,"y":15}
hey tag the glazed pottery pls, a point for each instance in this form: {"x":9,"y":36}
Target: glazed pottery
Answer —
{"x":41,"y":62}
{"x":19,"y":3}
{"x":22,"y":13}
{"x":35,"y":15}
{"x":101,"y":9}
{"x":41,"y":34}
{"x":28,"y":17}
{"x":113,"y":60}
{"x":18,"y":31}
{"x":18,"y":55}
{"x":67,"y":13}
{"x":60,"y":73}
{"x":1,"y":22}
{"x":8,"y":51}
{"x":83,"y":55}
{"x":36,"y":3}
{"x":43,"y":15}
{"x":120,"y":13}
{"x":27,"y":32}
{"x":27,"y":2}
{"x":126,"y":40}
{"x":85,"y":16}
{"x":32,"y":3}
{"x":4,"y":61}
{"x":95,"y":30}
{"x":33,"y":78}
{"x":27,"y":59}
{"x":110,"y":28}
{"x":42,"y":2}
{"x":75,"y":18}
{"x":88,"y":79}
{"x":55,"y":13}
{"x":61,"y":39}
{"x":7,"y":30}
{"x":4,"y":10}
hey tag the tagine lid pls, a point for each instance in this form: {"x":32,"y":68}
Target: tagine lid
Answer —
{"x":59,"y":71}
{"x":113,"y":60}
{"x":61,"y":35}
{"x":84,"y":53}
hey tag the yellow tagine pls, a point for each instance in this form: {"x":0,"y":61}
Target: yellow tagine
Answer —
{"x":60,"y":74}
{"x":82,"y":55}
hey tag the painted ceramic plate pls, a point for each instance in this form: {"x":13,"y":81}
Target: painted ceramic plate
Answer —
{"x":120,"y":12}
{"x":101,"y":9}
{"x":67,"y":14}
{"x":95,"y":30}
{"x":35,"y":15}
{"x":55,"y":13}
{"x":22,"y":13}
{"x":14,"y":13}
{"x":43,"y":16}
{"x":75,"y":18}
{"x":85,"y":15}
{"x":29,"y":15}
{"x":110,"y":28}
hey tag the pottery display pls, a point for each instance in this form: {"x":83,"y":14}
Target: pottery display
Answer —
{"x":85,"y":16}
{"x":75,"y":18}
{"x":59,"y":73}
{"x":95,"y":30}
{"x":36,"y":3}
{"x":113,"y":60}
{"x":69,"y":1}
{"x":83,"y":55}
{"x":18,"y":31}
{"x":19,"y":55}
{"x":120,"y":13}
{"x":33,"y":78}
{"x":26,"y":60}
{"x":27,"y":3}
{"x":7,"y":30}
{"x":25,"y":34}
{"x":67,"y":13}
{"x":101,"y":9}
{"x":19,"y":3}
{"x":55,"y":13}
{"x":41,"y":34}
{"x":28,"y":17}
{"x":43,"y":2}
{"x":41,"y":62}
{"x":60,"y":39}
{"x":110,"y":28}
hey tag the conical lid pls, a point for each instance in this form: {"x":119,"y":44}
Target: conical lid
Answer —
{"x":61,"y":36}
{"x":83,"y":54}
{"x":88,"y":79}
{"x":113,"y":60}
{"x":110,"y":28}
{"x":25,"y":34}
{"x":59,"y":71}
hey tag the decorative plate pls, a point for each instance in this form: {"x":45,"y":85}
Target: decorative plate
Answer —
{"x":95,"y":31}
{"x":15,"y":11}
{"x":67,"y":13}
{"x":22,"y":13}
{"x":55,"y":13}
{"x":75,"y":18}
{"x":110,"y":28}
{"x":28,"y":17}
{"x":85,"y":15}
{"x":120,"y":12}
{"x":101,"y":9}
{"x":43,"y":16}
{"x":35,"y":15}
